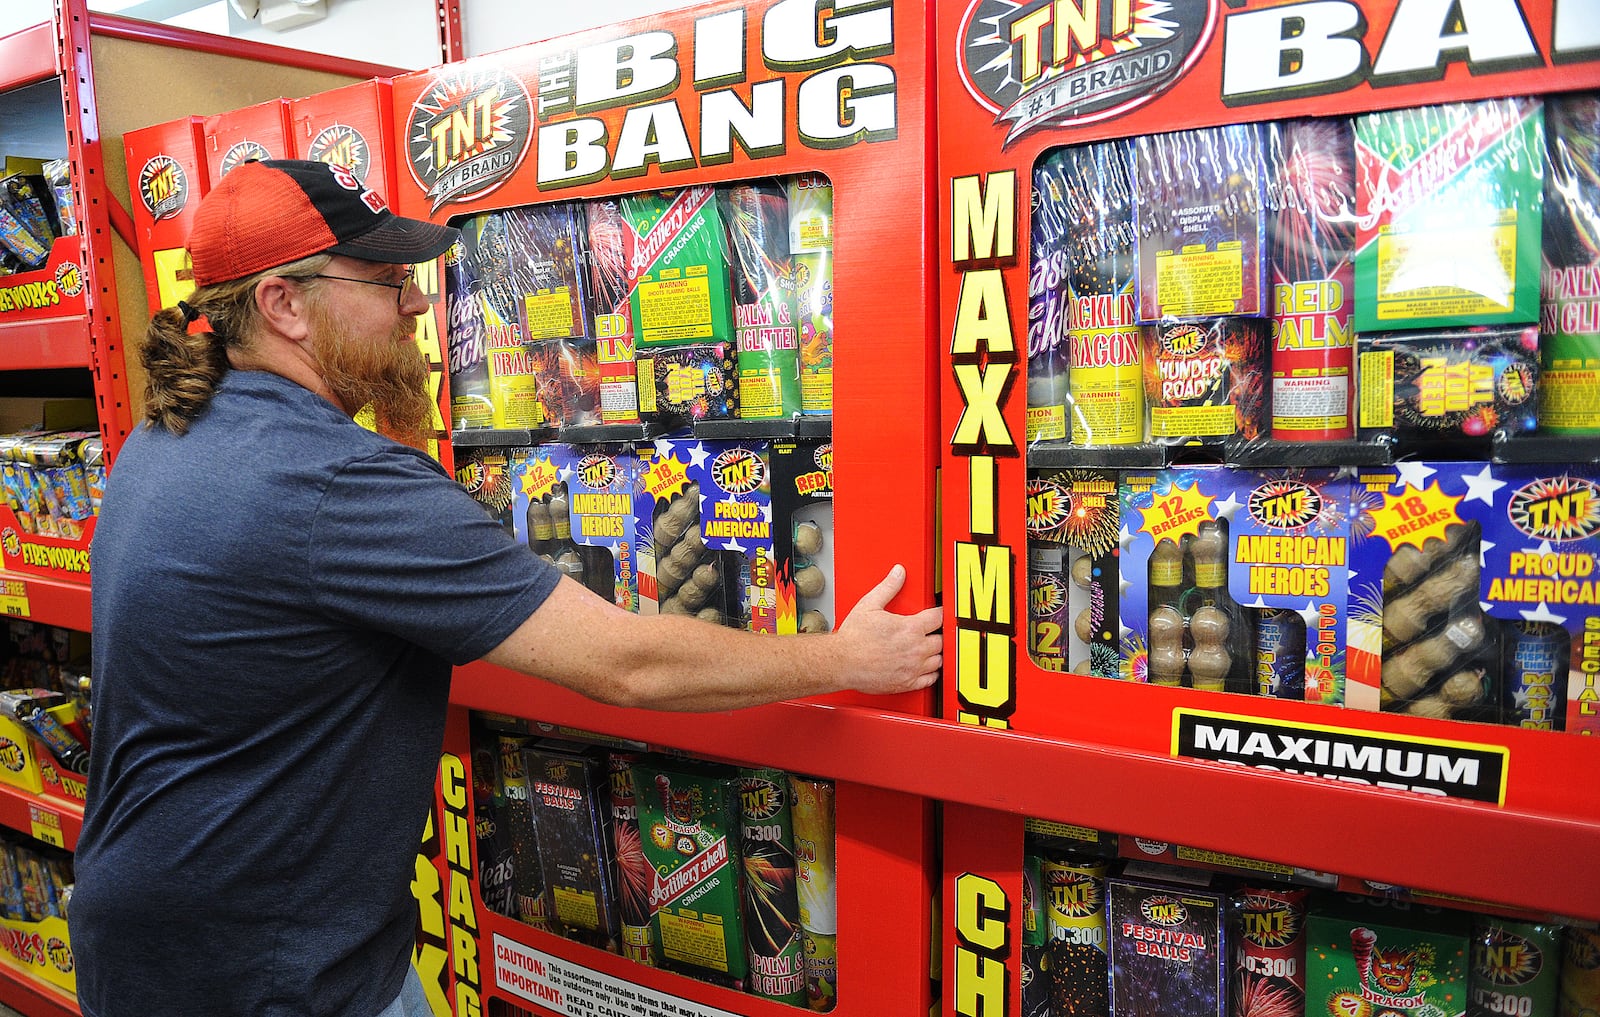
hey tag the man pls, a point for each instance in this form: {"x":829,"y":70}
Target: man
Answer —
{"x":279,"y":595}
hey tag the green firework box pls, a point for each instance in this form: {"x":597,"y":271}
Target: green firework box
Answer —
{"x":1370,"y":955}
{"x":681,"y":290}
{"x":689,"y":826}
{"x":1516,"y":968}
{"x":1449,"y":215}
{"x":570,"y":793}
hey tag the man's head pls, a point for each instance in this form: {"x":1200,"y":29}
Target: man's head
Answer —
{"x":300,"y":270}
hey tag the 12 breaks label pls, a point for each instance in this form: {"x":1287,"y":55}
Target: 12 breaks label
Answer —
{"x":1450,"y":769}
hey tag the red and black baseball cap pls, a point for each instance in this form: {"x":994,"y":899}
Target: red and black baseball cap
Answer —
{"x":270,"y":213}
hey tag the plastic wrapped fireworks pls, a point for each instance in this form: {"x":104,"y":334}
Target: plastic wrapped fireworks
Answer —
{"x":757,"y":220}
{"x":609,"y":257}
{"x":46,"y":483}
{"x":471,"y":317}
{"x":541,"y":271}
{"x":1570,"y":304}
{"x":1205,"y":381}
{"x":1449,"y":205}
{"x":1311,"y":187}
{"x":58,"y":174}
{"x":811,"y":245}
{"x":1464,"y":385}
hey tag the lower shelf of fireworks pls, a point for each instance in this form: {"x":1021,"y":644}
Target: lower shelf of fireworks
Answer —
{"x":1124,"y":926}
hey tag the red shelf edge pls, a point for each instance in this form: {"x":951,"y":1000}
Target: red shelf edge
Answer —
{"x":56,"y":602}
{"x":1276,"y":817}
{"x":27,"y":994}
{"x":28,"y":56}
{"x":15,"y":803}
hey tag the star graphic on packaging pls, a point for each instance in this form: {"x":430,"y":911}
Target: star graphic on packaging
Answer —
{"x":1124,"y":537}
{"x":1483,"y":553}
{"x":1312,"y":615}
{"x":1414,"y":474}
{"x":1543,"y":549}
{"x":1482,"y":485}
{"x":1226,"y":508}
{"x":1543,"y":614}
{"x":736,"y":547}
{"x":1258,"y":603}
{"x":1123,"y":632}
{"x":697,"y":455}
{"x":1123,"y":583}
{"x":766,"y":514}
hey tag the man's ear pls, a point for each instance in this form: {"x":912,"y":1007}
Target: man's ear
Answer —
{"x":284,"y":307}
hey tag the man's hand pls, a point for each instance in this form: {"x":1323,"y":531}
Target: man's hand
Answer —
{"x":893,"y":652}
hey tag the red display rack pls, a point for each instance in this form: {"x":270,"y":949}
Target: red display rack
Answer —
{"x":1013,"y":83}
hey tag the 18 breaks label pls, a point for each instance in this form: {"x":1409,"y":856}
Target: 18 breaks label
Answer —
{"x":1450,"y":769}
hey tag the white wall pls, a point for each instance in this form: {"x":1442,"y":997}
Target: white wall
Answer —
{"x":19,"y":14}
{"x":489,"y":25}
{"x":400,"y":33}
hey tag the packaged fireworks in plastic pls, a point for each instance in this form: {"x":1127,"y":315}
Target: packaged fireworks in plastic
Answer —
{"x":1205,"y":381}
{"x":19,"y":240}
{"x":496,"y":863}
{"x":471,"y":318}
{"x":541,"y":243}
{"x":485,"y":473}
{"x":771,"y":903}
{"x":570,"y":794}
{"x":1202,"y":222}
{"x":1312,"y":230}
{"x":1569,"y":318}
{"x":1268,"y":970}
{"x":1580,"y":972}
{"x":1516,"y":968}
{"x":609,"y":257}
{"x":697,"y":381}
{"x":532,"y":900}
{"x":811,"y":246}
{"x":812,"y":812}
{"x":1464,"y":385}
{"x":1073,"y":517}
{"x":634,"y":872}
{"x":1075,"y":911}
{"x":1168,"y":943}
{"x":1084,"y":337}
{"x":802,"y":536}
{"x":27,"y":198}
{"x":678,"y":573}
{"x":58,"y":175}
{"x":757,"y":219}
{"x":1449,"y":207}
{"x":1367,"y":955}
{"x":681,"y":290}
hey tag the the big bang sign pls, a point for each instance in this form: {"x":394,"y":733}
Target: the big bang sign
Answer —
{"x":755,"y":80}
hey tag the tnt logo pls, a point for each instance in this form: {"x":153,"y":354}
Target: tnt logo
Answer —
{"x":597,"y":472}
{"x":1557,"y":509}
{"x":11,"y":756}
{"x":241,"y":153}
{"x":759,"y":798}
{"x":1285,"y":505}
{"x":60,"y":954}
{"x":163,"y":187}
{"x":1268,"y":923}
{"x":739,"y":471}
{"x":467,"y":133}
{"x":1049,"y":506}
{"x":1074,"y":894}
{"x":342,"y":145}
{"x":1164,"y":910}
{"x":1185,"y":340}
{"x":11,"y":543}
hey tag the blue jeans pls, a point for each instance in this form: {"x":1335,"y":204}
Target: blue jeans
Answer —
{"x":412,"y":1001}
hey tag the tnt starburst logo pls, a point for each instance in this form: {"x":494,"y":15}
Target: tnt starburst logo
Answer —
{"x":342,"y":145}
{"x":163,"y":187}
{"x":1285,"y":505}
{"x":1164,"y":910}
{"x":241,"y":153}
{"x":467,"y":133}
{"x":597,"y":472}
{"x":1557,"y":509}
{"x":1506,"y":959}
{"x":1060,"y":63}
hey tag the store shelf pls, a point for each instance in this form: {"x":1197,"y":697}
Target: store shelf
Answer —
{"x":27,"y":56}
{"x":47,"y":601}
{"x":48,"y":343}
{"x":26,"y":994}
{"x":1450,"y":846}
{"x":52,"y":820}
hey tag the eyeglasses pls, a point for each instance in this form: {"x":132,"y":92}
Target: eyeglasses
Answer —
{"x":400,"y":287}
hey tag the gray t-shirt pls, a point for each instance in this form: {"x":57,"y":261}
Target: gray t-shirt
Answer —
{"x":278,"y":598}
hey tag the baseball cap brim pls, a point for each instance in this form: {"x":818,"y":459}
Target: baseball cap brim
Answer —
{"x":398,"y":240}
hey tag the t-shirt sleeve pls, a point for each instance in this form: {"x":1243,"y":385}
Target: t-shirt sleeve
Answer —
{"x":399,"y":547}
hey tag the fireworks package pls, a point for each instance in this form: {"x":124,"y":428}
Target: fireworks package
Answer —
{"x":1073,"y":516}
{"x":481,"y":316}
{"x":1268,"y":968}
{"x":1463,"y":386}
{"x":1569,"y":318}
{"x":609,"y":258}
{"x":1476,"y":593}
{"x":1168,"y":943}
{"x":802,"y":540}
{"x":678,"y":572}
{"x":812,"y":809}
{"x":694,"y":381}
{"x":1076,"y":960}
{"x":1369,"y":955}
{"x":689,"y":826}
{"x":681,"y":288}
{"x":811,"y":247}
{"x":496,"y":863}
{"x":569,"y":790}
{"x":541,"y":244}
{"x":1205,"y":381}
{"x":485,"y":473}
{"x":1449,"y":205}
{"x":757,"y":220}
{"x":1516,"y":967}
{"x":735,"y":481}
{"x":1201,"y":218}
{"x":27,"y":225}
{"x":596,"y":494}
{"x":1311,"y":188}
{"x":771,"y":903}
{"x":1236,"y":580}
{"x":527,"y":877}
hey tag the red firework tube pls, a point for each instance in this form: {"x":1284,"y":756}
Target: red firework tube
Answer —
{"x":1362,"y":942}
{"x":1313,"y":278}
{"x":1270,"y":957}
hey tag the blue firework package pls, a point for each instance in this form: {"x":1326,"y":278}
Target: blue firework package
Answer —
{"x":1072,"y":570}
{"x":1168,"y":945}
{"x":1477,"y":593}
{"x":1454,"y":385}
{"x":1236,"y":580}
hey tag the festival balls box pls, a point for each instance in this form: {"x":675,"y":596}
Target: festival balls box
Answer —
{"x":1073,"y":515}
{"x":1476,"y":593}
{"x":1235,"y":580}
{"x":1371,"y":955}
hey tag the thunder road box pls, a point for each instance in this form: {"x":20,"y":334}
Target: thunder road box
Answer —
{"x":1235,"y":580}
{"x":1369,"y":955}
{"x":1477,"y":592}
